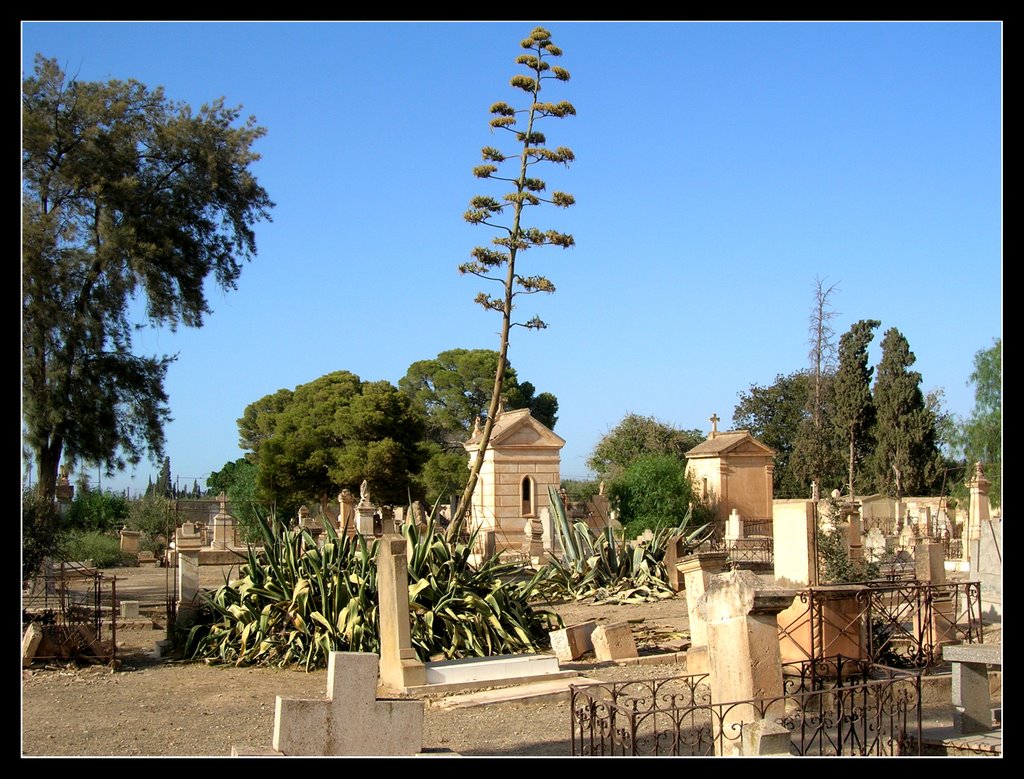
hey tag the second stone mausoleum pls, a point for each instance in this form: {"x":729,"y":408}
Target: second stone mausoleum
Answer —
{"x":733,"y":470}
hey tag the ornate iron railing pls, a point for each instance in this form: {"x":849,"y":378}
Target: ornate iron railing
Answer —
{"x":911,"y":621}
{"x":73,"y":607}
{"x":902,"y":624}
{"x":826,"y":712}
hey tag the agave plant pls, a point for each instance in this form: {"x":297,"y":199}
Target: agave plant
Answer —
{"x":295,"y":602}
{"x":596,"y":564}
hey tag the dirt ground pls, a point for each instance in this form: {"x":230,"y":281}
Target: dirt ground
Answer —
{"x":151,"y":707}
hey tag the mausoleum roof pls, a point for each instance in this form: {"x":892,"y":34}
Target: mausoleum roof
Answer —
{"x":732,"y":442}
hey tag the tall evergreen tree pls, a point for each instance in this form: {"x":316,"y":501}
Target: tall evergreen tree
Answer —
{"x":499,"y":264}
{"x":906,"y":454}
{"x":814,"y":458}
{"x":126,"y":197}
{"x":854,"y":413}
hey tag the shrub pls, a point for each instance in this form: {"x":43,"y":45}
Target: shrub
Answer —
{"x":655,"y":492}
{"x":597,"y":564}
{"x":97,"y":510}
{"x":41,"y":534}
{"x":294,"y":602}
{"x":102,"y":548}
{"x":834,"y":563}
{"x":151,"y":515}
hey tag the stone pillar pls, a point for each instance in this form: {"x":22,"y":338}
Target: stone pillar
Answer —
{"x":929,"y":561}
{"x":399,"y":666}
{"x":672,"y":560}
{"x":346,"y":512}
{"x":223,"y":525}
{"x":188,"y":582}
{"x":533,"y":540}
{"x":979,"y":508}
{"x":733,"y":526}
{"x":697,"y":570}
{"x":741,"y":614}
{"x":550,"y":539}
{"x":794,"y":543}
{"x":130,"y":541}
{"x":851,"y":517}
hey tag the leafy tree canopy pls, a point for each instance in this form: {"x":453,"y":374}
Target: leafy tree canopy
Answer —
{"x":638,"y":436}
{"x":982,"y":434}
{"x":333,"y":433}
{"x":125,"y":195}
{"x":854,"y":411}
{"x":454,"y":389}
{"x":775,"y":415}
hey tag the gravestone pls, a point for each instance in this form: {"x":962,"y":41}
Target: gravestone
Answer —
{"x":697,"y":571}
{"x":614,"y":642}
{"x":987,"y":568}
{"x":223,"y":525}
{"x":399,"y":665}
{"x":346,"y":512}
{"x":741,"y":615}
{"x":874,"y":545}
{"x":130,"y":540}
{"x":574,"y":641}
{"x":351,"y":720}
{"x":733,"y":526}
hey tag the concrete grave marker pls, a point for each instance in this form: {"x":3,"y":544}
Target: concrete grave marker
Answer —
{"x":574,"y":641}
{"x":614,"y":642}
{"x":351,"y":720}
{"x":399,"y":666}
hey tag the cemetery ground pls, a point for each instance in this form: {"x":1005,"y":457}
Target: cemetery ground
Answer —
{"x":151,"y":707}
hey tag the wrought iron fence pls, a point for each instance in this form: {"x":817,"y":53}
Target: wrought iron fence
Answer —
{"x":836,"y":707}
{"x":910,"y":622}
{"x":72,"y":603}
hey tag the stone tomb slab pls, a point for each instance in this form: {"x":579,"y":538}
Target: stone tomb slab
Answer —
{"x":490,"y":669}
{"x":574,"y":641}
{"x":614,"y":642}
{"x":351,"y":720}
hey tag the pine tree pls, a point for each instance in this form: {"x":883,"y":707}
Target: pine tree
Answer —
{"x":854,"y":413}
{"x":499,"y":264}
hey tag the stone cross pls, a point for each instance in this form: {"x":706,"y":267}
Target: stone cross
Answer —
{"x":399,"y":667}
{"x":351,"y":720}
{"x":714,"y":420}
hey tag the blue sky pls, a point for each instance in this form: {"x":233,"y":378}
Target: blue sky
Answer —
{"x":720,"y":168}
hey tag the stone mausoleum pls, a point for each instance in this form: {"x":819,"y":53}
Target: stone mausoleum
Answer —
{"x":734,"y":471}
{"x":522,"y":460}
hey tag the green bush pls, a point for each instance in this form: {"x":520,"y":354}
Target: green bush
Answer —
{"x":41,"y":534}
{"x":655,"y":492}
{"x":103,"y":549}
{"x":151,"y":515}
{"x":96,"y":510}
